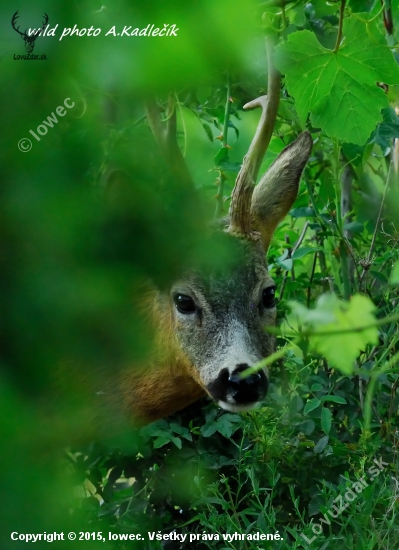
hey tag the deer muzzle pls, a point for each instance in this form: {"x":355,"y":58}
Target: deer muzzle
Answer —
{"x":236,"y":393}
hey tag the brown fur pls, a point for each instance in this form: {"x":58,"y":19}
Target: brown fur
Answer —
{"x":169,"y":382}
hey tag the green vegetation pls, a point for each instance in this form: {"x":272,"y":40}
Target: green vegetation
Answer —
{"x":73,"y":259}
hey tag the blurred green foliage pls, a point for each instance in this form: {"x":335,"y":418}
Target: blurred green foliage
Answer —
{"x":74,"y":256}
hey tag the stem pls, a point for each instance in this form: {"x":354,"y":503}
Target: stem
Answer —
{"x":309,"y":332}
{"x":268,"y":360}
{"x":296,"y":246}
{"x":222,"y":177}
{"x":311,"y":280}
{"x":346,"y":208}
{"x":345,"y":271}
{"x":341,"y":22}
{"x":377,"y":224}
{"x":338,"y":221}
{"x":370,"y":390}
{"x":226,"y":113}
{"x":233,"y":507}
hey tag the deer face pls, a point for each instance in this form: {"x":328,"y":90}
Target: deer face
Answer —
{"x":220,"y":322}
{"x":220,"y":318}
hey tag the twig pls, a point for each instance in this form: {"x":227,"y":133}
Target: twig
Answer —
{"x":340,"y":25}
{"x":295,"y":247}
{"x":377,"y":224}
{"x":222,"y":177}
{"x":300,"y":239}
{"x":311,"y":332}
{"x":311,"y":280}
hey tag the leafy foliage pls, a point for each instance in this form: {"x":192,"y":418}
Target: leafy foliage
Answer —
{"x":340,"y":339}
{"x":70,"y":262}
{"x":339,"y":88}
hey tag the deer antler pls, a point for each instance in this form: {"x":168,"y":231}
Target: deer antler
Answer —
{"x":13,"y":22}
{"x":165,"y":135}
{"x":240,"y":217}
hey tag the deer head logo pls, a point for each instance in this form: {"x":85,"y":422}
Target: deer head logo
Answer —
{"x":28,"y":39}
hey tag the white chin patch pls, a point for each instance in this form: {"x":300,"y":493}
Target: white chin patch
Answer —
{"x":233,"y":407}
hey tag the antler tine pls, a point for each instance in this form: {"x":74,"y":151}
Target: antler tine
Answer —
{"x":165,"y":135}
{"x":13,"y":22}
{"x":240,"y":217}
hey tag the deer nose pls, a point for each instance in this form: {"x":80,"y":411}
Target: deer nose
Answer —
{"x":250,"y":389}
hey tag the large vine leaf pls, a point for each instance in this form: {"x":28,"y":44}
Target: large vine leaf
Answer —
{"x":340,"y":89}
{"x":338,"y":330}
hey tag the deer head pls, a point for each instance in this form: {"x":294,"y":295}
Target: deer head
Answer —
{"x":29,"y":40}
{"x":211,"y":325}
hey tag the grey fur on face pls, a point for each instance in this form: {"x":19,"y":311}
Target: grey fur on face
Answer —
{"x":226,"y":332}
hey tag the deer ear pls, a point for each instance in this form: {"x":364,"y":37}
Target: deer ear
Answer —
{"x":276,"y":192}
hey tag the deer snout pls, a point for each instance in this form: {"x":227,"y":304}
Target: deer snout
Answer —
{"x":236,"y":393}
{"x":246,"y":390}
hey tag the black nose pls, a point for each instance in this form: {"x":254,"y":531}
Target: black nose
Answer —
{"x":250,"y":389}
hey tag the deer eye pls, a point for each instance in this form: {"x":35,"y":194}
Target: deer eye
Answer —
{"x":184,"y":303}
{"x":268,"y":297}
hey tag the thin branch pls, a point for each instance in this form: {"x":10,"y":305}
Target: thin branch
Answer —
{"x":311,"y":280}
{"x":291,"y":253}
{"x":377,"y":224}
{"x":311,"y":332}
{"x":222,"y":177}
{"x":371,"y":387}
{"x":340,"y":25}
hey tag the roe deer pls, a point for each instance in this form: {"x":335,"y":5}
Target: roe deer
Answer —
{"x":212,"y":327}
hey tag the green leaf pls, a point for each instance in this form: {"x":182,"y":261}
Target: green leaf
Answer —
{"x":208,"y":131}
{"x":230,"y":166}
{"x":107,"y":492}
{"x":339,"y":89}
{"x":303,"y":212}
{"x":161,"y":441}
{"x":344,"y":321}
{"x":394,"y":279}
{"x":355,"y":227}
{"x":326,"y":420}
{"x":286,"y":264}
{"x":297,"y":15}
{"x":361,"y":5}
{"x":387,"y":130}
{"x":333,"y":399}
{"x":304,"y":251}
{"x":353,"y":153}
{"x":221,"y":156}
{"x":209,"y":429}
{"x":177,"y":442}
{"x":316,"y":387}
{"x":379,"y":276}
{"x":311,"y":405}
{"x":321,"y":444}
{"x":307,"y":427}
